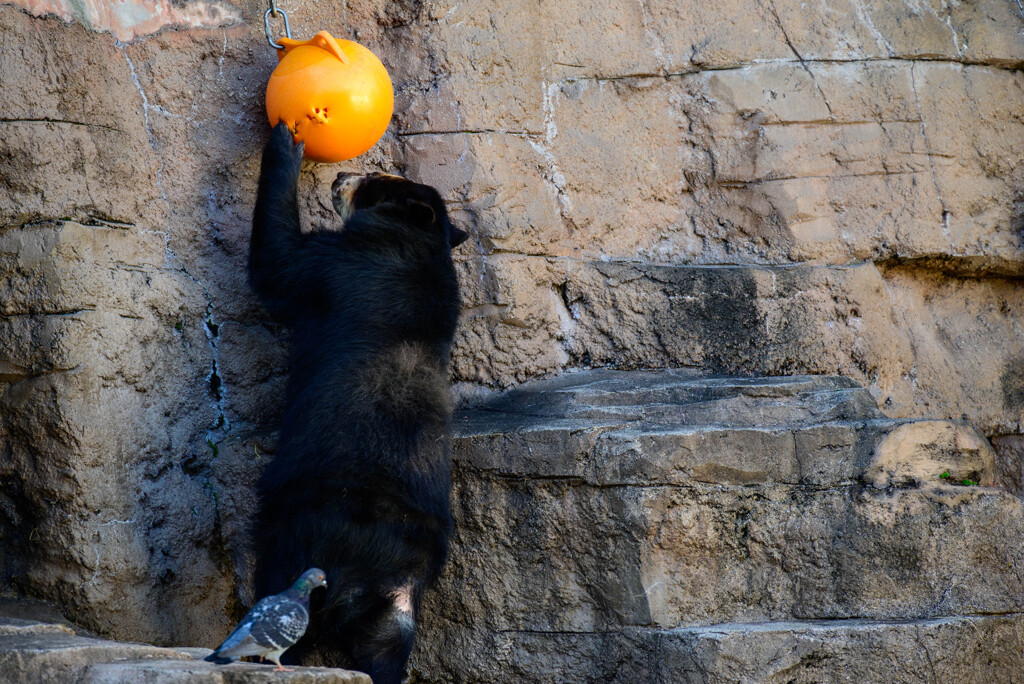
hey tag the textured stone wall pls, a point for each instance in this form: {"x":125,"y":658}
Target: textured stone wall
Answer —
{"x":757,"y":187}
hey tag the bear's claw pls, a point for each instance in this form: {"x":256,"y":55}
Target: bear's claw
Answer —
{"x":283,"y":146}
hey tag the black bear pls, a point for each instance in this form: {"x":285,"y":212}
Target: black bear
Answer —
{"x":359,"y":485}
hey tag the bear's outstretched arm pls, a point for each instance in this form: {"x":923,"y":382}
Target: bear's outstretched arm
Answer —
{"x":275,"y":269}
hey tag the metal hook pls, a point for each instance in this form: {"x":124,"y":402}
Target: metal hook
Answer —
{"x":266,"y":25}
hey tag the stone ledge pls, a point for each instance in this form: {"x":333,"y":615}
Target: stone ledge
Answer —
{"x":962,"y":649}
{"x":200,"y":672}
{"x":48,"y":649}
{"x":640,"y":428}
{"x":671,"y":396}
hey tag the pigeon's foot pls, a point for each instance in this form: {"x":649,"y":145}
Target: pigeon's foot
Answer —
{"x":277,"y":661}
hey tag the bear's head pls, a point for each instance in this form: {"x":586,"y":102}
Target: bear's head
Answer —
{"x":414,"y":204}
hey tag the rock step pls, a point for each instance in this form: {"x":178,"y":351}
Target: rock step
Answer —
{"x":547,"y":555}
{"x":590,"y":502}
{"x":42,"y":651}
{"x":672,"y":396}
{"x":200,"y":672}
{"x":676,"y":427}
{"x":610,"y":502}
{"x":962,"y":649}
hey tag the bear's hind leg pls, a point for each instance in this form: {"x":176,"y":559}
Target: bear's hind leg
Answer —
{"x":387,"y":640}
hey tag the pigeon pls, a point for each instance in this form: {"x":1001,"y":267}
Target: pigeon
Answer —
{"x":273,"y":625}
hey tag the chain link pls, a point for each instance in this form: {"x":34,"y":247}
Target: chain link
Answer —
{"x":274,"y":11}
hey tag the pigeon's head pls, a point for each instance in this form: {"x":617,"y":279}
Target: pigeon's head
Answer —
{"x":310,"y":580}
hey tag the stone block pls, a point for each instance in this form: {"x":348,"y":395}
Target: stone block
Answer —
{"x":973,"y":650}
{"x":35,"y":650}
{"x":188,"y":672}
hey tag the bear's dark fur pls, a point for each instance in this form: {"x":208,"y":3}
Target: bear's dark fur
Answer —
{"x":360,"y":482}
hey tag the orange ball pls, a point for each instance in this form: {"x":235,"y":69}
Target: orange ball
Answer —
{"x":334,"y":95}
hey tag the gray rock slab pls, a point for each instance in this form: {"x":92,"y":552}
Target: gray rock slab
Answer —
{"x":63,"y":657}
{"x":967,"y":650}
{"x":643,"y":454}
{"x":179,"y":672}
{"x":671,"y":427}
{"x":610,"y":427}
{"x":673,"y":396}
{"x":38,"y":651}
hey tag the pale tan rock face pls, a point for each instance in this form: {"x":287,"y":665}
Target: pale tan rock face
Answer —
{"x":753,"y":187}
{"x":131,"y":18}
{"x":877,"y":137}
{"x":915,"y":452}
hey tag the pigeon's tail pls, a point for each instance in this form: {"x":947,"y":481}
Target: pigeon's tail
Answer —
{"x":218,"y":659}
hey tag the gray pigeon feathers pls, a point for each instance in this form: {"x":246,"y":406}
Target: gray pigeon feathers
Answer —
{"x":273,"y":625}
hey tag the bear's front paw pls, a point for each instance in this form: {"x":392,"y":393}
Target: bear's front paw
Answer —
{"x":282,"y":146}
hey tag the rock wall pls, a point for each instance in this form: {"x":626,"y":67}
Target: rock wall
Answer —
{"x":766,"y":187}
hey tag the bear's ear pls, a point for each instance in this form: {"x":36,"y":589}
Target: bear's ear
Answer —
{"x":456,"y":236}
{"x":421,"y":211}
